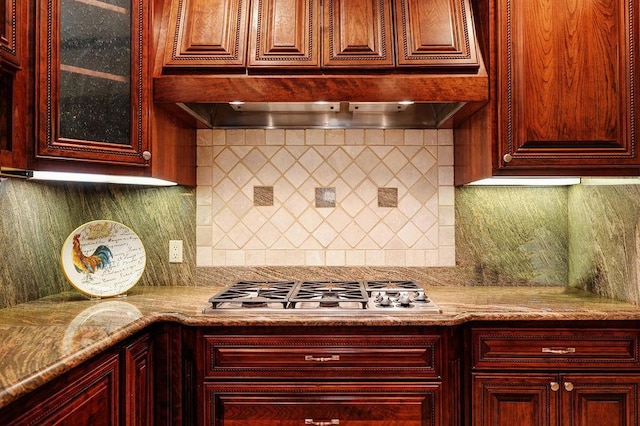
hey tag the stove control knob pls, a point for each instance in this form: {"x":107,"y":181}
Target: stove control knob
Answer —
{"x":421,"y":297}
{"x":405,"y":300}
{"x":385,"y":301}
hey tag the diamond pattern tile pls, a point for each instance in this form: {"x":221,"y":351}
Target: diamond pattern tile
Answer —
{"x":356,"y":231}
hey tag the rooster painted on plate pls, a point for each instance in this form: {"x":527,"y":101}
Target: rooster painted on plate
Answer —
{"x":100,"y":259}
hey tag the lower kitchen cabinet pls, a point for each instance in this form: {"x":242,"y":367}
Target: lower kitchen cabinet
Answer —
{"x":113,"y":388}
{"x":555,"y":376}
{"x":326,"y":376}
{"x":323,"y":404}
{"x":138,"y":382}
{"x":555,"y":399}
{"x":89,"y":395}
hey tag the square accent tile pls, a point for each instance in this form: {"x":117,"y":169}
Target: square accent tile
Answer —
{"x":262,"y":196}
{"x":325,"y":197}
{"x":387,"y":197}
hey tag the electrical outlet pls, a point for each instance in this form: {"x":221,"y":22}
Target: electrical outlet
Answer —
{"x":175,"y":251}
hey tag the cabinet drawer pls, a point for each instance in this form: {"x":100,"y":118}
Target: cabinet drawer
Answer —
{"x":559,"y":348}
{"x":278,"y":404}
{"x":390,"y":357}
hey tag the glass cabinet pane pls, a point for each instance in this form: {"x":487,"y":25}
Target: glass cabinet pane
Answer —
{"x":95,"y":71}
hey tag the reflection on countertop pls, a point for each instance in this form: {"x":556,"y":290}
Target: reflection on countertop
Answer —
{"x":47,"y":337}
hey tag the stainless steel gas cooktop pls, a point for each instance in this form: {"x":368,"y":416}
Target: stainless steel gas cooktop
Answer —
{"x":379,"y":296}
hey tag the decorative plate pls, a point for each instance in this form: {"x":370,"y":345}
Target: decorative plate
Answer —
{"x":103,"y":258}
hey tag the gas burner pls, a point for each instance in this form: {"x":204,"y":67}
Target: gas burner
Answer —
{"x":391,"y":286}
{"x":252,"y":294}
{"x":329,"y":294}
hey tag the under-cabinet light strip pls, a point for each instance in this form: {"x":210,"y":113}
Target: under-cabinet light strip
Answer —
{"x":99,"y":178}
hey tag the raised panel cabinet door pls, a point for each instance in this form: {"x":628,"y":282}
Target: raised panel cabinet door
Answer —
{"x":207,"y":34}
{"x":11,"y":21}
{"x":93,"y":81}
{"x":567,"y":84}
{"x":285,"y":33}
{"x":358,"y":33}
{"x":322,"y":404}
{"x":87,"y":396}
{"x":138,"y":382}
{"x":515,"y":399}
{"x":435,"y":34}
{"x":599,"y":400}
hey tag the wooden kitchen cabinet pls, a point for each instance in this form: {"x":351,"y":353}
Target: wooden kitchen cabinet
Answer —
{"x":93,"y":100}
{"x":285,"y":34}
{"x":12,"y":20}
{"x":563,"y":376}
{"x":358,"y":33}
{"x":316,"y":375}
{"x":565,"y":399}
{"x":93,"y":109}
{"x":564,"y":95}
{"x":303,"y":35}
{"x":435,"y":34}
{"x":13,"y":98}
{"x":290,"y":403}
{"x":89,"y":395}
{"x":113,"y":388}
{"x":206,"y":34}
{"x":138,"y":382}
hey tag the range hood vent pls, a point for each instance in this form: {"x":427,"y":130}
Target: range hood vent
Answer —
{"x":324,"y":115}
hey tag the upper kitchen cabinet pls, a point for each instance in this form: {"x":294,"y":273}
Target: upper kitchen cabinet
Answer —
{"x":564,"y":100}
{"x":13,"y":80}
{"x":292,"y":34}
{"x":358,"y":33}
{"x":319,"y":50}
{"x":11,"y":22}
{"x":434,"y":34}
{"x":208,"y":34}
{"x":93,"y":94}
{"x":92,"y":98}
{"x":285,"y":33}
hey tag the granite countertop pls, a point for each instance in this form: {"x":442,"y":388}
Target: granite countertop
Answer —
{"x":47,"y":337}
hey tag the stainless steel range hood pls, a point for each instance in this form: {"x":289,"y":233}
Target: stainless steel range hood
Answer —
{"x":325,"y":115}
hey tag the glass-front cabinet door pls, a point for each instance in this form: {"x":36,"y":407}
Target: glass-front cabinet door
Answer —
{"x":93,"y":83}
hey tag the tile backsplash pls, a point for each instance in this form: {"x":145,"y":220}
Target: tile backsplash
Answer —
{"x":386,"y":197}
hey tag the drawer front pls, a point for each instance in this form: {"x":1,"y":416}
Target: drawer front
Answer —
{"x":560,"y":348}
{"x":381,"y":404}
{"x":322,"y":356}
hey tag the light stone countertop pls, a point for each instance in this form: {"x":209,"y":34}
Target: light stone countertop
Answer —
{"x":47,"y":337}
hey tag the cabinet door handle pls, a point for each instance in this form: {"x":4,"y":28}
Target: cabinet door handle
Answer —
{"x":555,"y":386}
{"x":322,"y":423}
{"x":322,"y":358}
{"x":568,"y":386}
{"x":559,"y":351}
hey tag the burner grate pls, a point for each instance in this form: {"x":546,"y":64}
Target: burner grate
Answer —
{"x":253,"y":293}
{"x":392,"y":286}
{"x":330,"y":293}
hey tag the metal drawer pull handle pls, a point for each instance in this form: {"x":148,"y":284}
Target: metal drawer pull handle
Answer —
{"x":321,"y":423}
{"x":568,"y":386}
{"x":560,"y":351}
{"x":555,"y":386}
{"x":322,"y":359}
